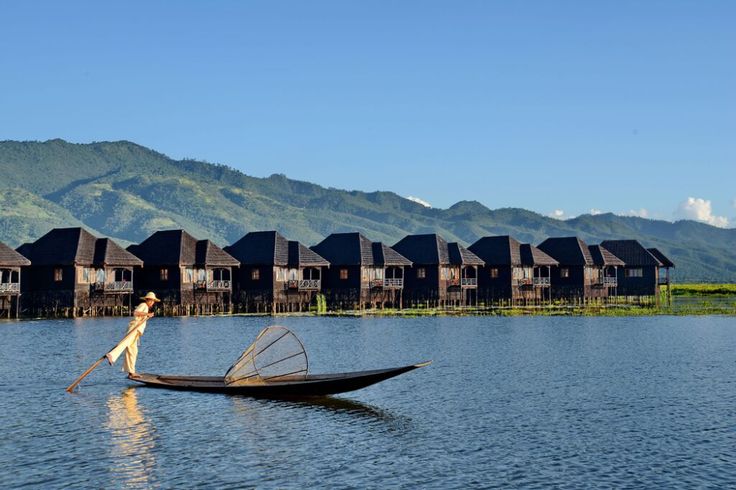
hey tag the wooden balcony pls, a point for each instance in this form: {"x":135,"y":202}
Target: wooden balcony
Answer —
{"x":388,"y":283}
{"x":541,"y":282}
{"x":610,"y":282}
{"x":304,"y":284}
{"x":469,"y":282}
{"x":9,"y":287}
{"x":393,"y":283}
{"x":114,"y":287}
{"x":215,"y":285}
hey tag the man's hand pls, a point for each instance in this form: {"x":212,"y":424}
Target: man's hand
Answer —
{"x":150,"y":315}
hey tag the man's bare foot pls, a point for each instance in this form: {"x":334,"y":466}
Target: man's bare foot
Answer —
{"x":133,"y":376}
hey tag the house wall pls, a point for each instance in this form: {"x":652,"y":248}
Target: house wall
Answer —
{"x":638,"y":286}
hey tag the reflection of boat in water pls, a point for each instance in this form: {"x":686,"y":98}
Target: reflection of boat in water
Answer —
{"x":132,"y":437}
{"x":275,"y":366}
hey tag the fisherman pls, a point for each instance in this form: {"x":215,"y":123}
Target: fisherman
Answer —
{"x":141,"y":314}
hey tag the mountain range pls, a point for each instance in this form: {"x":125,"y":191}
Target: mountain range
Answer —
{"x":126,"y":191}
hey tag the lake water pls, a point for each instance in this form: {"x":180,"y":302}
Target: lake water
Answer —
{"x":528,"y":402}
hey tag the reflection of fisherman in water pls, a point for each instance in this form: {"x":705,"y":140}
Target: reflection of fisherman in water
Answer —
{"x":132,"y":445}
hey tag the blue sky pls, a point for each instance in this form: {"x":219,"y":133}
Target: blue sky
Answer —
{"x":618,"y":106}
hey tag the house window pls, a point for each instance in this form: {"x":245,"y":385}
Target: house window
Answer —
{"x":343,"y":274}
{"x":86,"y":275}
{"x":58,"y":274}
{"x":421,"y":273}
{"x":164,"y":274}
{"x":494,"y":273}
{"x":638,"y":272}
{"x":255,"y":275}
{"x":564,"y":272}
{"x":188,"y":275}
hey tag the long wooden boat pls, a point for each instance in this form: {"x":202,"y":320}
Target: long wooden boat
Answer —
{"x":304,"y":386}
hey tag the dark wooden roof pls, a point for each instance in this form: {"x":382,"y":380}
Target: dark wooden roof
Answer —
{"x":663,"y":259}
{"x":603,"y":257}
{"x":498,"y":250}
{"x":356,"y":249}
{"x":177,"y":247}
{"x":631,"y":252}
{"x":460,"y":255}
{"x":207,"y":253}
{"x":11,"y":258}
{"x":567,"y":250}
{"x":261,"y":248}
{"x":531,"y":255}
{"x":432,"y":249}
{"x":301,"y":256}
{"x":70,"y":246}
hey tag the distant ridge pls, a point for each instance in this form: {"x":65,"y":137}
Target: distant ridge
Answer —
{"x":127,"y":191}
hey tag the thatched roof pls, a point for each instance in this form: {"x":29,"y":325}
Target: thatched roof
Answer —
{"x":76,"y":246}
{"x":632,"y":253}
{"x":301,"y":256}
{"x":663,"y":259}
{"x":11,"y":258}
{"x":567,"y":250}
{"x":531,"y":255}
{"x":603,"y":257}
{"x":177,"y":247}
{"x":108,"y":252}
{"x":356,"y":249}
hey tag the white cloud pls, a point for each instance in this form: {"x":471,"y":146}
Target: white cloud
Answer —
{"x":419,"y":200}
{"x":639,"y":213}
{"x":557,"y":214}
{"x":699,"y":209}
{"x":595,"y":211}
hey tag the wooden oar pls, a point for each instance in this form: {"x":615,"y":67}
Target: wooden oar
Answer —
{"x":71,"y":387}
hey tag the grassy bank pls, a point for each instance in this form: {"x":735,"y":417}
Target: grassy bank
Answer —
{"x":701,"y":289}
{"x":694,"y":308}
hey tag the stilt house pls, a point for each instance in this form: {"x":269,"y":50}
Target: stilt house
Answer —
{"x":578,"y":277}
{"x":11,"y":263}
{"x":190,"y":276}
{"x":362,"y":273}
{"x":276,"y":274}
{"x":74,"y":273}
{"x":608,"y":265}
{"x":443,"y":274}
{"x":640,"y":275}
{"x":514,"y":273}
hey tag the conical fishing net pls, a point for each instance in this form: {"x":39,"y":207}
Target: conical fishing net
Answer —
{"x":276,"y":355}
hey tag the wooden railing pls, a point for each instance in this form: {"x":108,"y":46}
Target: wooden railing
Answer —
{"x":9,"y":287}
{"x":393,"y":282}
{"x":310,"y":284}
{"x":115,"y":286}
{"x":469,"y":281}
{"x":218,"y":285}
{"x":541,"y":282}
{"x":303,"y":284}
{"x":663,"y":280}
{"x":610,"y":282}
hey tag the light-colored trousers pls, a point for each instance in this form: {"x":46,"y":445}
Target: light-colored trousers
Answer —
{"x":131,"y":352}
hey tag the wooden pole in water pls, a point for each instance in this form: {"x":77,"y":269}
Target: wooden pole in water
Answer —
{"x":71,"y":387}
{"x":132,"y":331}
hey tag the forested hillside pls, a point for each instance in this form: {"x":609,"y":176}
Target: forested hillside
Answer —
{"x":127,"y":191}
